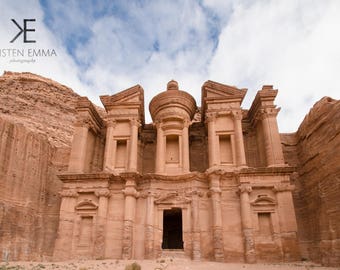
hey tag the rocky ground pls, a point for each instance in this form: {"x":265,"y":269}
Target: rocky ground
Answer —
{"x":161,"y":264}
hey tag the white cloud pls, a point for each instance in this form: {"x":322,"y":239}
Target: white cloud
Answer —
{"x":60,"y":68}
{"x":293,"y":45}
{"x":109,"y":46}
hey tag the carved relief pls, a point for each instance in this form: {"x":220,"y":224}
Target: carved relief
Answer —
{"x":172,"y":198}
{"x":69,"y":193}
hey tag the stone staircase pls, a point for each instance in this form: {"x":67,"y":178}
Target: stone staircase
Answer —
{"x":174,"y":253}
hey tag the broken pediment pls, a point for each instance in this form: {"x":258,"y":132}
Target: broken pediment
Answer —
{"x":131,"y":98}
{"x":215,"y":95}
{"x":213,"y":90}
{"x":263,"y":200}
{"x":86,"y":205}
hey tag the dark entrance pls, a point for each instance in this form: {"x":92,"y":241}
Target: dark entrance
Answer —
{"x":172,"y":229}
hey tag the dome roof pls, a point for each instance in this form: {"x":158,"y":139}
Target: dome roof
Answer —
{"x":172,"y":103}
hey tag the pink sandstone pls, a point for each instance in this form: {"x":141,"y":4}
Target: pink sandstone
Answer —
{"x":210,"y":183}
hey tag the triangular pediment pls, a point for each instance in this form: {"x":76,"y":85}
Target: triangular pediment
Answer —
{"x":215,"y":90}
{"x":134,"y":94}
{"x":132,"y":97}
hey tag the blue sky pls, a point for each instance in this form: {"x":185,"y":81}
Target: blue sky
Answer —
{"x":107,"y":46}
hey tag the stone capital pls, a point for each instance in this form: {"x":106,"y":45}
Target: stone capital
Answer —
{"x":130,"y":191}
{"x":237,"y":114}
{"x":135,"y":122}
{"x":214,"y":190}
{"x":281,"y":187}
{"x":102,"y":193}
{"x":245,"y":188}
{"x":69,"y":193}
{"x":111,"y":122}
{"x":194,"y":192}
{"x":186,"y":123}
{"x":210,"y":117}
{"x":148,"y":194}
{"x":158,"y":124}
{"x":265,"y":113}
{"x":83,"y":122}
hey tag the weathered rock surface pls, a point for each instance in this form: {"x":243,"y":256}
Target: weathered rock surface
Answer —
{"x":42,"y":105}
{"x":315,"y":150}
{"x":36,"y":127}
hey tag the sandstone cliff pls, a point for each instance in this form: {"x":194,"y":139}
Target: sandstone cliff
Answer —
{"x":42,"y":105}
{"x":36,"y":127}
{"x":315,"y":150}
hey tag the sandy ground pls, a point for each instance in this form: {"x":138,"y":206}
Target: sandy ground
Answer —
{"x":160,"y":264}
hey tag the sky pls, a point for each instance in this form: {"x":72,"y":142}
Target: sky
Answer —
{"x":103,"y":47}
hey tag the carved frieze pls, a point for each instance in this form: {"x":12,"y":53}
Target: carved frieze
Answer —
{"x":69,"y":193}
{"x":281,"y":187}
{"x":102,"y":193}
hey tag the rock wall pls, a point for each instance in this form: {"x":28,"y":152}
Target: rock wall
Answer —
{"x":315,"y":150}
{"x":29,"y":203}
{"x":36,"y":128}
{"x":42,"y":105}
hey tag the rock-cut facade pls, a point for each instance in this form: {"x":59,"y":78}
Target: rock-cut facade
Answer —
{"x":207,"y":183}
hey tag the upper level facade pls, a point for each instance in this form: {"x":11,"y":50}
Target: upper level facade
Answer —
{"x":182,"y":138}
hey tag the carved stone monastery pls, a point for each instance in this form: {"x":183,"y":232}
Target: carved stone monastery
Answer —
{"x":159,"y":188}
{"x":215,"y":182}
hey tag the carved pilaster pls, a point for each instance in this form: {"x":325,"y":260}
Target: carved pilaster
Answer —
{"x":247,"y":226}
{"x":131,"y":194}
{"x":196,"y":231}
{"x":99,"y":243}
{"x":132,"y":165}
{"x":185,"y":146}
{"x":149,"y":228}
{"x":271,"y":136}
{"x":212,"y":144}
{"x":109,"y":151}
{"x":215,"y":193}
{"x":160,"y":150}
{"x":239,"y":144}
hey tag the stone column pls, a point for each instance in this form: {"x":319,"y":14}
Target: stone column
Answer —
{"x":239,"y":144}
{"x":99,"y":244}
{"x":247,"y":226}
{"x":215,"y":192}
{"x":131,"y":195}
{"x":63,"y":246}
{"x":149,"y":228}
{"x":160,"y":151}
{"x":132,"y":165}
{"x":108,"y":163}
{"x":78,"y":152}
{"x":287,"y":221}
{"x":210,"y":119}
{"x":185,"y":146}
{"x":196,"y":231}
{"x":272,"y":141}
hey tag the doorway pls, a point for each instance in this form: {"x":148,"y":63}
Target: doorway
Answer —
{"x":172,"y":229}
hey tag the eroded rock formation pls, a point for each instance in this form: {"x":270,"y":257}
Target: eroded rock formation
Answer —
{"x":318,"y":182}
{"x":36,"y":116}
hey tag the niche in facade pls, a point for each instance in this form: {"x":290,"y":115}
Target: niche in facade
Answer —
{"x":121,"y":154}
{"x":226,"y":154}
{"x":172,"y":149}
